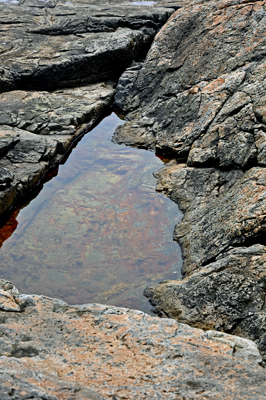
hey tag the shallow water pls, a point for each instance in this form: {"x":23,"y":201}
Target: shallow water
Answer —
{"x":98,"y":231}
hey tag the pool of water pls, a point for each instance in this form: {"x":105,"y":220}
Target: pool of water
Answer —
{"x":98,"y":231}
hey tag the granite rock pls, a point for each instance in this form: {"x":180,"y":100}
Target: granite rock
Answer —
{"x":198,"y":99}
{"x":226,"y":295}
{"x":201,"y":87}
{"x":50,"y":45}
{"x":50,"y":350}
{"x":38,"y":128}
{"x":59,"y":63}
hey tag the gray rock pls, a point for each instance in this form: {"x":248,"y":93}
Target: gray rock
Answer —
{"x":204,"y":92}
{"x":226,"y":295}
{"x":52,"y":350}
{"x":80,"y":49}
{"x":199,"y":99}
{"x":6,"y":177}
{"x":37,"y":128}
{"x":68,"y":45}
{"x":125,"y":84}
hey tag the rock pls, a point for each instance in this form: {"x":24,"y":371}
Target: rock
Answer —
{"x":8,"y":294}
{"x":125,"y":84}
{"x":226,"y":295}
{"x":37,"y":128}
{"x":7,"y":302}
{"x":5,"y":178}
{"x":68,"y":45}
{"x":225,"y":284}
{"x":212,"y":200}
{"x":8,"y":287}
{"x":199,"y":99}
{"x":50,"y":350}
{"x":204,"y":92}
{"x":78,"y":48}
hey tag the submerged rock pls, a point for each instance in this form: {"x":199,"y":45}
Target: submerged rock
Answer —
{"x":51,"y":349}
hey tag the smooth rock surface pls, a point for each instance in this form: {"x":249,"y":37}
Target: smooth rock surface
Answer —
{"x":52,"y":351}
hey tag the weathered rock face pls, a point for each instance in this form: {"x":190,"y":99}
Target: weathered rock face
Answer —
{"x":47,"y":46}
{"x":50,"y":350}
{"x":227,"y":295}
{"x":60,"y":45}
{"x":200,"y":92}
{"x":199,"y":96}
{"x":222,"y":209}
{"x":37,"y":128}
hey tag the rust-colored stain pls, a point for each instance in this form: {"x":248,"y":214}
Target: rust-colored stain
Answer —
{"x":9,"y":227}
{"x":98,"y":231}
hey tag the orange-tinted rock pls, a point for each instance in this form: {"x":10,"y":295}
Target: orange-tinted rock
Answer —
{"x":54,"y":351}
{"x":7,"y":302}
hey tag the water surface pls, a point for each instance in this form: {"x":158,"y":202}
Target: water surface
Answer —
{"x":98,"y":231}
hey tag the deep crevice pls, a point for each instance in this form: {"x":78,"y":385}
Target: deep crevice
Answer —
{"x":247,"y":242}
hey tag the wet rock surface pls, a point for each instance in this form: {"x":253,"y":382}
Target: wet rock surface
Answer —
{"x":50,"y":350}
{"x":199,"y":98}
{"x":59,"y":63}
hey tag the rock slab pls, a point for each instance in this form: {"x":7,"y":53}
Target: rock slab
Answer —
{"x":50,"y":350}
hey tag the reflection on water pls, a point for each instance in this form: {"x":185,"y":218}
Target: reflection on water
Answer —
{"x":98,"y":231}
{"x":144,"y":3}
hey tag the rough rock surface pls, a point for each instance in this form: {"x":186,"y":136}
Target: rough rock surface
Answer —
{"x":199,"y":97}
{"x":200,"y":93}
{"x":50,"y":350}
{"x":44,"y":47}
{"x":36,"y":130}
{"x":77,"y":51}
